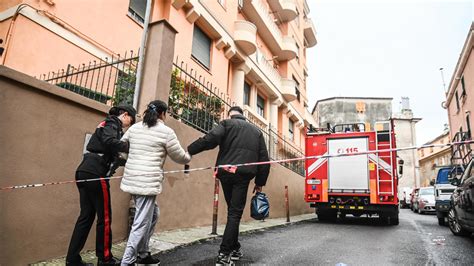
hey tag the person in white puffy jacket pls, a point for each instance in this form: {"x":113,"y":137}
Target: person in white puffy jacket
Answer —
{"x":150,"y":142}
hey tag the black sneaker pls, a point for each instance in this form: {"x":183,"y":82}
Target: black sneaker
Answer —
{"x":236,"y":254}
{"x":148,"y":260}
{"x":112,"y":261}
{"x":224,"y":259}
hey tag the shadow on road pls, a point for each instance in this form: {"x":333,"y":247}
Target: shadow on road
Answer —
{"x":212,"y":261}
{"x":350,"y":220}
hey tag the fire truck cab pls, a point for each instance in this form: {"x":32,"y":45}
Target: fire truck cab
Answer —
{"x":352,"y":184}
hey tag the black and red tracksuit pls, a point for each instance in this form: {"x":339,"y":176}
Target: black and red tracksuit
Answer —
{"x":103,"y":148}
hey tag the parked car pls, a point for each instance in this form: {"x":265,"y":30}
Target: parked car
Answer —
{"x":425,"y":202}
{"x":443,"y":192}
{"x":461,"y":212}
{"x":413,"y":198}
{"x":404,"y":197}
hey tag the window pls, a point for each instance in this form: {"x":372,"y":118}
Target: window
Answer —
{"x":297,"y":90}
{"x":426,"y":191}
{"x":260,"y":105}
{"x":291,"y":128}
{"x":137,"y":9}
{"x":463,"y":86}
{"x":457,"y":101}
{"x":246,"y":93}
{"x":201,"y":47}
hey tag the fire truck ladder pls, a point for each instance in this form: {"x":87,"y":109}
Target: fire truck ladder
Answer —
{"x":383,"y":131}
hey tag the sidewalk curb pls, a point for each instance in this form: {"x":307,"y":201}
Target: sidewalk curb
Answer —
{"x":247,"y":232}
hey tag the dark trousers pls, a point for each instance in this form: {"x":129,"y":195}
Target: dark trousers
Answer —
{"x":94,"y":199}
{"x":235,"y":192}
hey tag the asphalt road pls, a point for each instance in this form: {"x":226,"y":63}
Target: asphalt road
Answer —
{"x":418,"y":240}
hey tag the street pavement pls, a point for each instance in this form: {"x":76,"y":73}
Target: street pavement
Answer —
{"x":418,"y":240}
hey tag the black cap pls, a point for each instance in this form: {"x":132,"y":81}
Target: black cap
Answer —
{"x":237,"y":109}
{"x":129,"y":109}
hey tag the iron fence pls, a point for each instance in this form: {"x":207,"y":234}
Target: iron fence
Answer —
{"x":194,"y":100}
{"x":198,"y":103}
{"x":279,"y":149}
{"x":110,"y":81}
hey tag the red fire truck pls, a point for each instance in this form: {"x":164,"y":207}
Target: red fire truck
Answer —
{"x":353,"y":184}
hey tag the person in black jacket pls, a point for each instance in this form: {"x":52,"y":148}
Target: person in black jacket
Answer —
{"x":239,"y":142}
{"x":103,"y":148}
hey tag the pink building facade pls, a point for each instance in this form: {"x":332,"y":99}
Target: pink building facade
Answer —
{"x":253,"y":51}
{"x":460,"y":95}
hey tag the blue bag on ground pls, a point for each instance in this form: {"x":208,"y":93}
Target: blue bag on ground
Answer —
{"x":259,"y":207}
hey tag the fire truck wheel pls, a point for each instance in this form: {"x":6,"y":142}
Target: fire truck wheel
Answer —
{"x":394,"y":220}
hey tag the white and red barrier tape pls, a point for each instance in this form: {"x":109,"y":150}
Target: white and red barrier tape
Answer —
{"x":232,"y":168}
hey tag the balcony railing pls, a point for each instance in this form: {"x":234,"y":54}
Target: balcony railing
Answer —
{"x":272,"y":74}
{"x":265,"y":14}
{"x":199,"y":104}
{"x":257,"y":12}
{"x":110,"y":81}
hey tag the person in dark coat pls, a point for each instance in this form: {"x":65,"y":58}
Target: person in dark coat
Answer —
{"x":103,"y":148}
{"x":239,"y":142}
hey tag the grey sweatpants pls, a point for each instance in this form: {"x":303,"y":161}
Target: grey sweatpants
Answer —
{"x":146,"y":216}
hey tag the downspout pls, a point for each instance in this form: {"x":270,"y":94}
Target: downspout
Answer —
{"x":141,"y":54}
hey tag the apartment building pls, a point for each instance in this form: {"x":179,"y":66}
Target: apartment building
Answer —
{"x":253,"y":52}
{"x":433,"y":158}
{"x":460,"y":95}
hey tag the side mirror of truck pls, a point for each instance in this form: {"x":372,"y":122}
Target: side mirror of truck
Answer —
{"x":455,"y":182}
{"x":432,"y":182}
{"x":400,"y":167}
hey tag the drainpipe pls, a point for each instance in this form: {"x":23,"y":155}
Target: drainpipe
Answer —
{"x":141,"y":55}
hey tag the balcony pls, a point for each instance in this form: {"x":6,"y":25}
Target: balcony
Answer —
{"x":288,"y":89}
{"x":285,"y":10}
{"x":290,"y":50}
{"x":310,"y":32}
{"x":245,"y":36}
{"x":257,"y":12}
{"x":255,"y":119}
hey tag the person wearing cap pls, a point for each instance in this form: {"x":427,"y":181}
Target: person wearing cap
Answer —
{"x":103,"y":149}
{"x":151,"y":141}
{"x":239,"y":142}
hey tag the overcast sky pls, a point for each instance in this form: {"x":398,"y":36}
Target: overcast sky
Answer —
{"x":388,"y":48}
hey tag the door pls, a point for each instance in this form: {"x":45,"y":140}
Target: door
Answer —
{"x":461,"y":198}
{"x":468,"y":195}
{"x":348,"y":172}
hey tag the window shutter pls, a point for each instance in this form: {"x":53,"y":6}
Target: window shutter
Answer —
{"x":246,"y":93}
{"x":201,"y":47}
{"x":139,"y":7}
